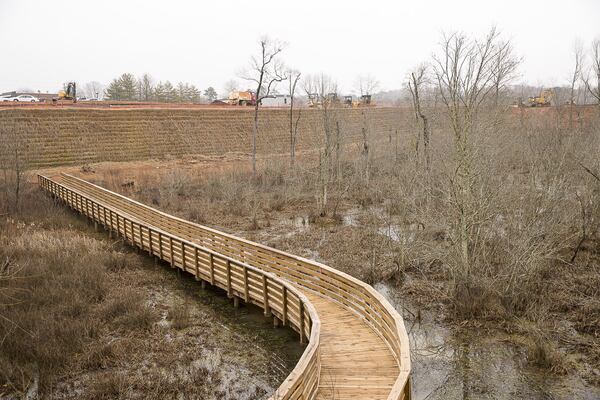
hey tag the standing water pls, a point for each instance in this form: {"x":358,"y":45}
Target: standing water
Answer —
{"x":447,"y":364}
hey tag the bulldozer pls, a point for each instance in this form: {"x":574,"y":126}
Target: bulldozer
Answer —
{"x":242,"y":98}
{"x":364,"y":101}
{"x":316,"y":100}
{"x":543,"y":100}
{"x":70,"y":93}
{"x":348,"y":101}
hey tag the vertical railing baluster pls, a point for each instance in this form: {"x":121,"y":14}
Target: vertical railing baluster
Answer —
{"x":171,"y":260}
{"x":141,"y":236}
{"x":228,"y":273}
{"x":265,"y":288}
{"x":284,"y":307}
{"x":301,"y":308}
{"x":182,"y":255}
{"x":160,"y":253}
{"x":246,"y":289}
{"x":196,"y":264}
{"x":211,"y":264}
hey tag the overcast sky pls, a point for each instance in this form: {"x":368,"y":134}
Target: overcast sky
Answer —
{"x":47,"y":42}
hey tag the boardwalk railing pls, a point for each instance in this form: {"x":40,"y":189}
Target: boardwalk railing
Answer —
{"x":350,"y":292}
{"x":273,"y":294}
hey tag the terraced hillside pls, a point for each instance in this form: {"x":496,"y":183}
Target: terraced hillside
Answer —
{"x":49,"y":137}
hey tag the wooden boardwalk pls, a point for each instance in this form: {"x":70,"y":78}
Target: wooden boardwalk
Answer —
{"x":357,"y":344}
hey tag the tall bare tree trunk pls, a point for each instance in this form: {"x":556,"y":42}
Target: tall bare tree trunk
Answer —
{"x":294,"y":77}
{"x":365,"y":150}
{"x":254,"y":135}
{"x":414,"y":85}
{"x":338,"y":151}
{"x":292,"y":136}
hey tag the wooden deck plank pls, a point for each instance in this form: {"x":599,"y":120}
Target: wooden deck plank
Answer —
{"x":355,"y":361}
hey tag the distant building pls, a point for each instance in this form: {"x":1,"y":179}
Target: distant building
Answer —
{"x":276,"y":100}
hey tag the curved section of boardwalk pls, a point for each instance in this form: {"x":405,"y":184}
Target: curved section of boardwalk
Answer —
{"x":358,"y":347}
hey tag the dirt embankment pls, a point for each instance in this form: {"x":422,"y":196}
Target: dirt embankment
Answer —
{"x":47,"y":137}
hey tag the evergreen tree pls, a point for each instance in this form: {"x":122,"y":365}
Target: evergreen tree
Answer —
{"x":170,"y":93}
{"x":114,"y":91}
{"x":123,"y":88}
{"x":128,"y":85}
{"x":160,"y":93}
{"x":183,"y":93}
{"x":195,"y":94}
{"x":211,"y":94}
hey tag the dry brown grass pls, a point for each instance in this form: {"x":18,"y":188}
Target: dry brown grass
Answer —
{"x":179,"y":316}
{"x":82,"y":315}
{"x":60,"y":300}
{"x":531,"y":206}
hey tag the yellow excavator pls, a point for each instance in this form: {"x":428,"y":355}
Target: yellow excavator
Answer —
{"x":70,"y":93}
{"x":543,"y":100}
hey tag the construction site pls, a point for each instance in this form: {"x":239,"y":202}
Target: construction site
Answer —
{"x":429,"y":234}
{"x":192,"y":162}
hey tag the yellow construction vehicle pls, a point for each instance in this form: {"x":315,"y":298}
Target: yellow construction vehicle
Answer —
{"x":69,"y":94}
{"x":364,"y":101}
{"x":242,"y":98}
{"x":315,"y":100}
{"x":543,"y":100}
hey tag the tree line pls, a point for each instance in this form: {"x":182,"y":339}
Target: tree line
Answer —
{"x":129,"y":88}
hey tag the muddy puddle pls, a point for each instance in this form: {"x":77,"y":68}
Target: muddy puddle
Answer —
{"x":465,"y":365}
{"x":447,"y":362}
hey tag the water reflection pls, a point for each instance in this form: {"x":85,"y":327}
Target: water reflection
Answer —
{"x":467,"y":365}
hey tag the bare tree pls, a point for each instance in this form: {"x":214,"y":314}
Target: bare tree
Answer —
{"x":266,"y":70}
{"x":293,"y":78}
{"x":14,"y":155}
{"x":321,"y":86}
{"x":575,"y":77}
{"x":366,"y":84}
{"x":93,"y":89}
{"x":592,"y":87}
{"x":230,"y":86}
{"x":146,"y":87}
{"x":366,"y":161}
{"x":505,"y":68}
{"x":416,"y":81}
{"x":464,"y":70}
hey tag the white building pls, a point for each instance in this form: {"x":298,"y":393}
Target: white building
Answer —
{"x":276,"y":100}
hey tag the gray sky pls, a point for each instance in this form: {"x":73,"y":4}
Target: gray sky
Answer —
{"x":47,"y":42}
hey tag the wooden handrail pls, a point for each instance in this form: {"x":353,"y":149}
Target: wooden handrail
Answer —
{"x":346,"y":290}
{"x":274,"y":294}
